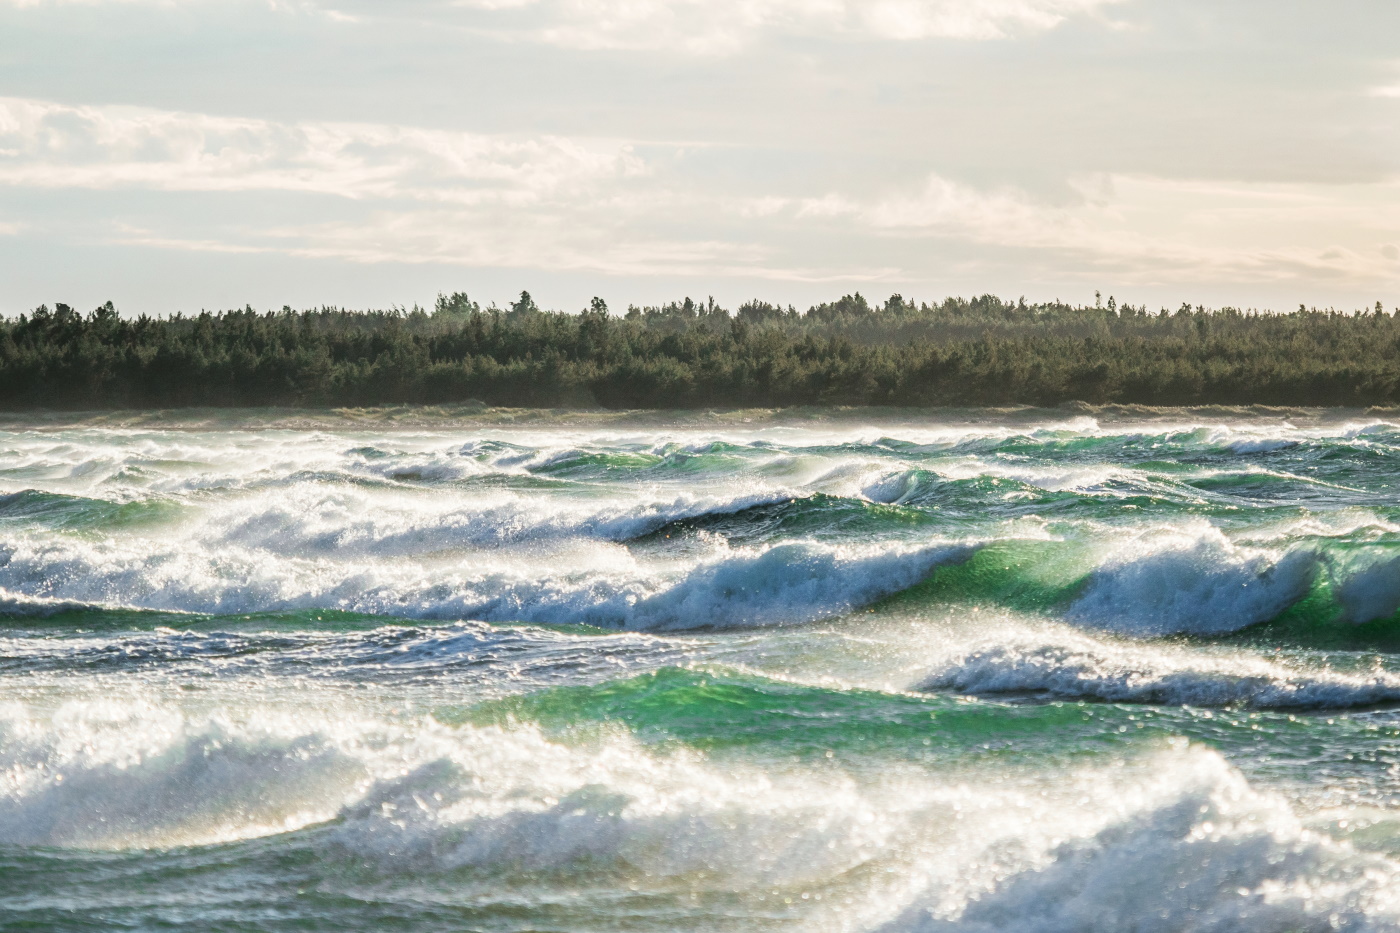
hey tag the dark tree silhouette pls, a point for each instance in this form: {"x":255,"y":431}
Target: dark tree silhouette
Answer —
{"x":688,"y":354}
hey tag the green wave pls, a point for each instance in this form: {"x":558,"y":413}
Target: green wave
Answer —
{"x":523,"y":482}
{"x":97,"y":619}
{"x":720,"y":709}
{"x":587,"y":463}
{"x":632,"y":466}
{"x":727,"y":711}
{"x":1319,"y":621}
{"x":1026,"y":575}
{"x":1046,"y":577}
{"x":818,"y":515}
{"x":57,"y":511}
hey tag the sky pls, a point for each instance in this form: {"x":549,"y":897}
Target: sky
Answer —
{"x":179,"y":155}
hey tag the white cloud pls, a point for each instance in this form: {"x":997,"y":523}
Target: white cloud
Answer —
{"x":406,"y":195}
{"x":697,"y":26}
{"x":978,"y":19}
{"x":461,"y":238}
{"x":49,"y":145}
{"x":1151,"y":230}
{"x":429,"y":195}
{"x":721,"y":26}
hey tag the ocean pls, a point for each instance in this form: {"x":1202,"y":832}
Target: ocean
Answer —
{"x":1037,"y":672}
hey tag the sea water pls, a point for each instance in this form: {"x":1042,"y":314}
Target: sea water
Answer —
{"x":972,"y":672}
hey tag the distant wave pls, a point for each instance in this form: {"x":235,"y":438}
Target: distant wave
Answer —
{"x":780,"y":584}
{"x":350,"y":526}
{"x":1070,"y":667}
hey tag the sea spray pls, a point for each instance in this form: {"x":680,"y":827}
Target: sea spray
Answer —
{"x":948,"y":671}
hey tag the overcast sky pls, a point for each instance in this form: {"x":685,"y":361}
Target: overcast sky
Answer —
{"x":185,"y":154}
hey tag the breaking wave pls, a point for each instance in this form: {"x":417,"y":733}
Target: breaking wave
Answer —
{"x":780,"y":584}
{"x":1198,"y":583}
{"x":1077,"y":667}
{"x":1198,"y":849}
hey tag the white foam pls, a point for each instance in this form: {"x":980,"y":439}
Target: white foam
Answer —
{"x":1368,"y":429}
{"x":1242,"y":439}
{"x":350,"y":523}
{"x":1348,"y":523}
{"x":429,"y":467}
{"x":121,"y":775}
{"x":595,"y":584}
{"x":1076,"y":667}
{"x":789,"y":583}
{"x":512,"y":801}
{"x":1194,"y":580}
{"x":1368,"y":590}
{"x":418,"y":795}
{"x":894,"y":488}
{"x":1197,"y":849}
{"x":1168,"y":838}
{"x":1050,"y":477}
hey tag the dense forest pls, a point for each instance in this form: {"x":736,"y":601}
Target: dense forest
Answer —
{"x":983,"y":351}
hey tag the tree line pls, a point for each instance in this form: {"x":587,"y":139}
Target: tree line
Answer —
{"x":689,"y":354}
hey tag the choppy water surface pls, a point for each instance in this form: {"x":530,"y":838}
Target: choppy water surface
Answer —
{"x":1066,"y":675}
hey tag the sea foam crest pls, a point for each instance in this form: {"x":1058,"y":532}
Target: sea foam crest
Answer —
{"x":1077,"y":667}
{"x":1237,"y":442}
{"x":1368,"y":589}
{"x":1179,"y":837}
{"x":413,"y":797}
{"x":1163,"y":582}
{"x":128,"y":775}
{"x":512,"y":801}
{"x":604,"y":586}
{"x":788,"y":583}
{"x":312,"y":522}
{"x":1198,"y":849}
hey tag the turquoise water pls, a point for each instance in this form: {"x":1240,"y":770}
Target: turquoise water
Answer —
{"x":985,"y":673}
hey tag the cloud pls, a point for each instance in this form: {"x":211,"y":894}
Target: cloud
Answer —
{"x":459,"y":238}
{"x":428,"y":196}
{"x":718,"y":26}
{"x":695,"y":26}
{"x":724,"y":26}
{"x":407,"y":195}
{"x":50,"y":145}
{"x":1148,"y":229}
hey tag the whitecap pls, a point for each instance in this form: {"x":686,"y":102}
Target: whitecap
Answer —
{"x":1076,"y":667}
{"x":1198,"y":849}
{"x":1168,"y":581}
{"x":592,"y":583}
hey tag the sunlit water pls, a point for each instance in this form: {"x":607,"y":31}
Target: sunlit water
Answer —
{"x":929,"y":676}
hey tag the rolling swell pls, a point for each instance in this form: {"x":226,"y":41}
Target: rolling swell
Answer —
{"x":1164,"y":583}
{"x":1200,"y":850}
{"x":1076,"y":667}
{"x":77,"y":513}
{"x":392,"y":803}
{"x":437,"y":800}
{"x":1055,"y":675}
{"x":781,"y":584}
{"x":815,"y":515}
